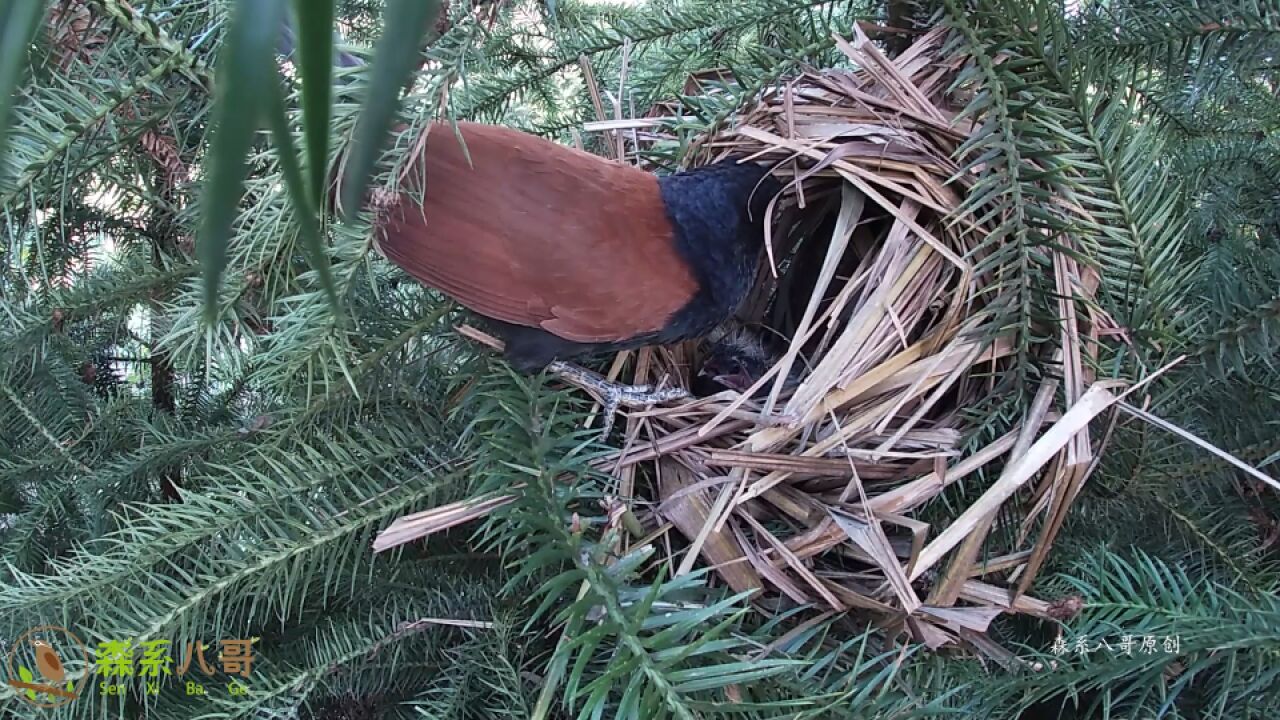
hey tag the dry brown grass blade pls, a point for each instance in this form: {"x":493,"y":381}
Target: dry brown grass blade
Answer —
{"x":597,"y":102}
{"x":796,"y":465}
{"x":1076,"y":420}
{"x":862,"y":180}
{"x":794,"y":563}
{"x":999,"y":564}
{"x":1076,"y":460}
{"x":975,"y":619}
{"x":976,"y":591}
{"x":769,"y":572}
{"x":846,"y":219}
{"x":948,"y":589}
{"x":428,"y":522}
{"x":1069,"y":477}
{"x":691,"y":514}
{"x":1214,"y":449}
{"x":870,"y":538}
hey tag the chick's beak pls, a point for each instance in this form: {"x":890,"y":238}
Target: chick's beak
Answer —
{"x":738,"y":381}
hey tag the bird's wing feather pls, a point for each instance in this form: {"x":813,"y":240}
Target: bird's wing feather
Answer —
{"x":534,"y":233}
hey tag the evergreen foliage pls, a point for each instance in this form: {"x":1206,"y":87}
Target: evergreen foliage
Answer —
{"x":167,"y":478}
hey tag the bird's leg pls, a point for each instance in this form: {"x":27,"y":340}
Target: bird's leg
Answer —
{"x":613,"y":395}
{"x":610,"y":394}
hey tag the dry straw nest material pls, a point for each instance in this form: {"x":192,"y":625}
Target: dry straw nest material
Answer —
{"x":827,"y":490}
{"x":815,"y":493}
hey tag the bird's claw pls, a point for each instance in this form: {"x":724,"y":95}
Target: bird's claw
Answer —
{"x":613,"y":396}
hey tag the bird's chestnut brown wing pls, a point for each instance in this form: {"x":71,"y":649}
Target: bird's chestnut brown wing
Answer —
{"x":534,"y":233}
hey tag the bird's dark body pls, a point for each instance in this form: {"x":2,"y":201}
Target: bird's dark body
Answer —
{"x":567,"y":254}
{"x":717,"y":214}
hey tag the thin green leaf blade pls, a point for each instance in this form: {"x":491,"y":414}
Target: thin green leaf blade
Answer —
{"x":18,"y":22}
{"x":405,"y":21}
{"x":312,"y":239}
{"x":315,"y":70}
{"x":243,"y":91}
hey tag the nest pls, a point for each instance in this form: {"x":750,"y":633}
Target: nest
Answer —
{"x":811,"y":487}
{"x":822,"y":485}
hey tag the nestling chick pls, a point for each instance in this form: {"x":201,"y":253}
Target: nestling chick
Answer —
{"x":737,"y":360}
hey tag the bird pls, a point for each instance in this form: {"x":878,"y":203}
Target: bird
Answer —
{"x":569,"y":255}
{"x":48,"y":662}
{"x":737,"y":359}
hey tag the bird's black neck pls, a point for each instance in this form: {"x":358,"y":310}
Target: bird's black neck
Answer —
{"x":718,"y":212}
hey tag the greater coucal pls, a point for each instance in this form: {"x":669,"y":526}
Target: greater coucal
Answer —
{"x":569,"y":254}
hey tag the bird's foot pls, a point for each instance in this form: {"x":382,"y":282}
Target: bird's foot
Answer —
{"x":613,"y":395}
